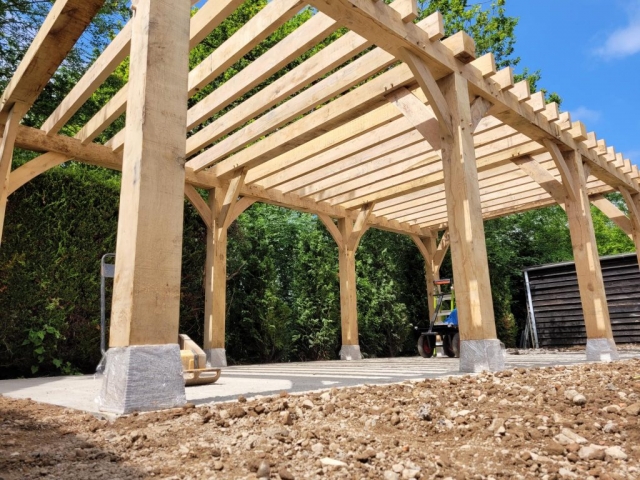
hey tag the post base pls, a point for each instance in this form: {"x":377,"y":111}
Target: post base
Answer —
{"x":142,"y":378}
{"x":601,"y":350}
{"x":216,"y":357}
{"x":350,"y":352}
{"x":480,"y":355}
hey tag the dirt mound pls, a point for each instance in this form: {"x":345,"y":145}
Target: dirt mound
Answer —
{"x":553,"y":423}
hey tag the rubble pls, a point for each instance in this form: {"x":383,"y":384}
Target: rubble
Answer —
{"x":527,"y":425}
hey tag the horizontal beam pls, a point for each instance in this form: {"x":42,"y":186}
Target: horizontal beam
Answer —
{"x":99,"y":155}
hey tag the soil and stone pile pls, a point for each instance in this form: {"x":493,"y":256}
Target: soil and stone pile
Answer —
{"x":553,"y":423}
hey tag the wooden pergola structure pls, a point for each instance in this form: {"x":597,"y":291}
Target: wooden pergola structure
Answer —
{"x":390,"y":126}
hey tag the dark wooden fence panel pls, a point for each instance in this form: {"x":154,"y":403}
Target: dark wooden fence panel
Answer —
{"x":556,"y":301}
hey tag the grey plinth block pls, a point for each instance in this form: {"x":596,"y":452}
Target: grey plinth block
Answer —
{"x":142,"y":378}
{"x":601,"y":350}
{"x":350,"y":352}
{"x":216,"y":357}
{"x":480,"y":355}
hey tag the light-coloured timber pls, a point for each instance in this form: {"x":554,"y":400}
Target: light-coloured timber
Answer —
{"x":380,"y":23}
{"x":468,"y":250}
{"x":7,"y":142}
{"x":408,"y":9}
{"x":62,"y":27}
{"x":585,"y":253}
{"x":633,"y":205}
{"x":146,"y":292}
{"x":613,"y":213}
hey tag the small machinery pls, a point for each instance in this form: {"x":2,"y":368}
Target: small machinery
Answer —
{"x":442,"y":330}
{"x":194,"y":360}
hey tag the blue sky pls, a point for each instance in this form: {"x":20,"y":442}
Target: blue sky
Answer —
{"x":589,"y":52}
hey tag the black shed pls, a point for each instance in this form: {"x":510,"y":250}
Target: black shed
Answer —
{"x":554,"y":305}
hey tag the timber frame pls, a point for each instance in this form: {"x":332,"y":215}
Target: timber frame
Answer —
{"x":390,"y":126}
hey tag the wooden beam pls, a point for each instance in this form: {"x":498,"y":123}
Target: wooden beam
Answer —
{"x":215,"y":277}
{"x":427,"y":247}
{"x":561,"y":164}
{"x":479,"y":108}
{"x":10,"y":131}
{"x":231,"y":198}
{"x":633,"y":204}
{"x":241,"y":205}
{"x":430,"y":88}
{"x":318,"y":65}
{"x":613,"y":213}
{"x":585,"y":253}
{"x":100,"y":155}
{"x":102,"y":67}
{"x":146,"y":293}
{"x":408,"y":9}
{"x":346,"y":107}
{"x":543,"y":178}
{"x":441,"y":251}
{"x":360,"y":226}
{"x":62,"y":27}
{"x":421,"y":116}
{"x":202,"y":23}
{"x":28,"y":171}
{"x":348,"y":294}
{"x":332,"y":229}
{"x":288,"y":49}
{"x":468,"y":249}
{"x":198,"y":203}
{"x":259,"y":27}
{"x":461,"y":46}
{"x":378,"y":22}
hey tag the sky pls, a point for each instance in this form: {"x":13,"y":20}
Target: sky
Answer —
{"x":588,"y":51}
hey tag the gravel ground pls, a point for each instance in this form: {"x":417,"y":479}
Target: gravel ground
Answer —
{"x":561,"y":422}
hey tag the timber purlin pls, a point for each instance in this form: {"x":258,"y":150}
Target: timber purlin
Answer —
{"x":558,"y":310}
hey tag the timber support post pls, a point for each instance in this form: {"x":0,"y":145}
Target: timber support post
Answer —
{"x":347,"y":235}
{"x":633,"y":205}
{"x":600,"y":343}
{"x":479,"y":347}
{"x":6,"y":155}
{"x":224,"y":208}
{"x":433,"y":253}
{"x":144,"y":369}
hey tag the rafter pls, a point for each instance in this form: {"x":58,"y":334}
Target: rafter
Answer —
{"x":378,"y":22}
{"x":62,"y":27}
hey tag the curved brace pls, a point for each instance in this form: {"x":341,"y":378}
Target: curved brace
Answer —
{"x":30,"y":170}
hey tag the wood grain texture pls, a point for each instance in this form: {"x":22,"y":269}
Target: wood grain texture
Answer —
{"x":585,"y":253}
{"x":146,"y":292}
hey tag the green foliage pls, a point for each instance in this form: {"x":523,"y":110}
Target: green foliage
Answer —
{"x":491,"y":27}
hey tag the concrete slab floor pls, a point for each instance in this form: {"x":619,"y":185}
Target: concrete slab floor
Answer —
{"x":80,"y":392}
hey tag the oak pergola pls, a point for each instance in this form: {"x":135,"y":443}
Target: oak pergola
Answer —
{"x":390,"y":126}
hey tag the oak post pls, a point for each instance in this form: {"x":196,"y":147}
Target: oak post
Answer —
{"x":144,"y":367}
{"x":6,"y":155}
{"x":216,"y":283}
{"x":633,"y":205}
{"x":146,"y":293}
{"x":479,"y":348}
{"x":600,"y":344}
{"x":348,"y":298}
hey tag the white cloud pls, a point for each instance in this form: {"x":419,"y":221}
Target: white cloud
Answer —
{"x":585,"y":114}
{"x":624,"y":41}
